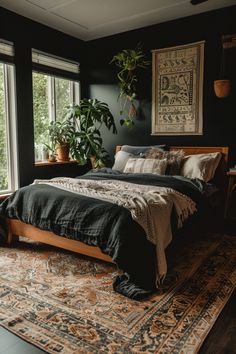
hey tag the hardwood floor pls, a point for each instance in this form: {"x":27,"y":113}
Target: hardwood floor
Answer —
{"x":222,"y":337}
{"x":11,"y":344}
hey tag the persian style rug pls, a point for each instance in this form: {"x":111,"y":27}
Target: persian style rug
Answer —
{"x":64,"y":303}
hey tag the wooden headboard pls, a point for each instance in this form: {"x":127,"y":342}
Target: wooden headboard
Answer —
{"x":193,"y":150}
{"x":220,"y":178}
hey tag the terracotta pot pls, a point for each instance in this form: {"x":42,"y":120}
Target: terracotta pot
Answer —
{"x":52,"y":158}
{"x":222,"y":88}
{"x":63,"y":152}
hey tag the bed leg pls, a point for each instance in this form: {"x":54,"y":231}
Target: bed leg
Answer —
{"x":11,"y":238}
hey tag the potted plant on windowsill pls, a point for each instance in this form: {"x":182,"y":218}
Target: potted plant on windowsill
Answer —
{"x":51,"y":152}
{"x":62,"y":134}
{"x":89,"y":116}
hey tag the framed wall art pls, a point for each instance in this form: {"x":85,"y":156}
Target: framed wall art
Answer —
{"x":177,"y":75}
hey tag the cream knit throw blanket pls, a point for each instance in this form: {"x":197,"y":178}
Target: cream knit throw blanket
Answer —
{"x":150,"y":206}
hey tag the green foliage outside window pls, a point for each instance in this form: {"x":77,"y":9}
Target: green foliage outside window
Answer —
{"x":3,"y":152}
{"x":63,"y":96}
{"x":40,"y":105}
{"x":42,"y":91}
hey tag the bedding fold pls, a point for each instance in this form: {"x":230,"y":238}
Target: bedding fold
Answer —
{"x":150,"y":207}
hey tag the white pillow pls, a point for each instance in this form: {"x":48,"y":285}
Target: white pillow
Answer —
{"x":121,"y":158}
{"x":202,"y":166}
{"x":136,"y":165}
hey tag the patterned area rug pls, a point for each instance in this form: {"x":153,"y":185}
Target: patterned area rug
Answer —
{"x":64,"y":303}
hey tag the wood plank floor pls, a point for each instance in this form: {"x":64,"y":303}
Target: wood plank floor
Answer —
{"x":11,"y":344}
{"x":222,"y":337}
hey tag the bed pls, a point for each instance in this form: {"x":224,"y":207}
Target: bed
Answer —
{"x":139,"y":251}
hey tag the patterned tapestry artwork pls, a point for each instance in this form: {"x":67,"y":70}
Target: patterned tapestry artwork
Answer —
{"x":64,"y":303}
{"x":177,"y":90}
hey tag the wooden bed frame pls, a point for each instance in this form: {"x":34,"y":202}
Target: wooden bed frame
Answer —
{"x":18,"y":228}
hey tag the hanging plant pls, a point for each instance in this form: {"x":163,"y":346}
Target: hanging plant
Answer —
{"x":129,"y":60}
{"x":222,"y":86}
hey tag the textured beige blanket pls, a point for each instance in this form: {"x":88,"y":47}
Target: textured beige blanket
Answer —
{"x":150,"y":206}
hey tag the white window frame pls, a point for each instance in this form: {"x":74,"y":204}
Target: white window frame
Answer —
{"x":74,"y":95}
{"x":50,"y":65}
{"x":11,"y":128}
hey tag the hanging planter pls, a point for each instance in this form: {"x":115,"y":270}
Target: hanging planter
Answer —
{"x":128,"y":60}
{"x":222,"y":88}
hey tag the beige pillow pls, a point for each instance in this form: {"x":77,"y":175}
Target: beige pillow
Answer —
{"x":138,"y":165}
{"x":174,"y":159}
{"x":202,"y":166}
{"x":121,"y":158}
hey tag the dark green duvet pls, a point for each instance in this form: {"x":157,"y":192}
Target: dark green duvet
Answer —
{"x":100,"y":223}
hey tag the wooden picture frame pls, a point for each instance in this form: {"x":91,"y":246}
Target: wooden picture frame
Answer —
{"x":177,"y":89}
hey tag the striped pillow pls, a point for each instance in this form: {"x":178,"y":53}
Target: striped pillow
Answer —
{"x":137,"y":165}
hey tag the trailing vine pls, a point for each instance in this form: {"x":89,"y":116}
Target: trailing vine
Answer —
{"x":128,"y":60}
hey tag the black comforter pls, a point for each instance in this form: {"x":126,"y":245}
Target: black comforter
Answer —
{"x":100,"y":223}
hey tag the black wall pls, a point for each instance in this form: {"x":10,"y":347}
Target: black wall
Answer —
{"x":219,"y":115}
{"x":99,"y":80}
{"x":27,"y":34}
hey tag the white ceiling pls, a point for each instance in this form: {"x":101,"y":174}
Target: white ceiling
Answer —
{"x":91,"y":19}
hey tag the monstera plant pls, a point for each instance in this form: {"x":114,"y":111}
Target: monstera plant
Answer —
{"x":129,"y":60}
{"x":89,"y":116}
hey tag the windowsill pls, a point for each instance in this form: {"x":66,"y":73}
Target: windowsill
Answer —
{"x":4,"y":196}
{"x":47,"y":163}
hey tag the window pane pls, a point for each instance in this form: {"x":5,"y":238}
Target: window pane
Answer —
{"x":50,"y":97}
{"x":4,"y":173}
{"x":63,"y":96}
{"x":41,"y":108}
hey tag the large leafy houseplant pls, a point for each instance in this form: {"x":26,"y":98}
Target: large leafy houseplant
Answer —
{"x":89,"y":116}
{"x":129,"y":60}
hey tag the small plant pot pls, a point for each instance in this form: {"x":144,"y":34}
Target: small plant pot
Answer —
{"x":63,"y":152}
{"x":222,"y":88}
{"x":52,"y":158}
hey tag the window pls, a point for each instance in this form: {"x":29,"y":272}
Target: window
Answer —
{"x":8,"y":153}
{"x":50,"y":96}
{"x":55,"y":85}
